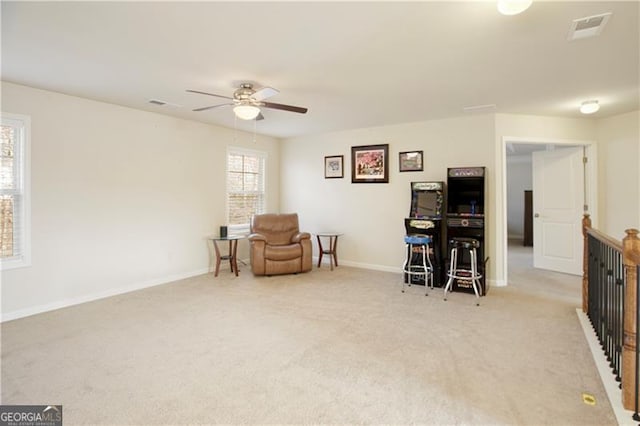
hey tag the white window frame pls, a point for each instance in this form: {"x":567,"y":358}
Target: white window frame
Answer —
{"x":22,"y":219}
{"x":231,"y":150}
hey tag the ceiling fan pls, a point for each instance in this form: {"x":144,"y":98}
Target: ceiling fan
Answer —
{"x":247,"y":101}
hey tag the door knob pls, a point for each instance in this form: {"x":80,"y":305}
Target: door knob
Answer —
{"x":536,"y":215}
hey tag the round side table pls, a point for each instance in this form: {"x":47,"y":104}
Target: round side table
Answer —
{"x":333,"y":247}
{"x":231,"y":257}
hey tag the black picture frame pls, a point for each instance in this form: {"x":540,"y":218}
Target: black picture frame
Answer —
{"x":334,"y":167}
{"x":411,"y":161}
{"x":370,"y":164}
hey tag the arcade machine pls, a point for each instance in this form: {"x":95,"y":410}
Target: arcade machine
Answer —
{"x":465,"y":217}
{"x":425,"y":217}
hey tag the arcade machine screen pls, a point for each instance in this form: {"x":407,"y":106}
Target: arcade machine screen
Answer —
{"x":426,"y":204}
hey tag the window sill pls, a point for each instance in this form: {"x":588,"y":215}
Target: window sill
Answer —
{"x":239,"y":229}
{"x":14,"y":263}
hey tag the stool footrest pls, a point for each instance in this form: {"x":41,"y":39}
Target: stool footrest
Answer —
{"x":416,"y":272}
{"x":464,"y":274}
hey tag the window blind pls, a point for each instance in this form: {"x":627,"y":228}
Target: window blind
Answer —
{"x":245,"y":187}
{"x":13,"y":208}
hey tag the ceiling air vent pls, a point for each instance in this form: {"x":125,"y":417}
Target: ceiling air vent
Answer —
{"x":158,"y":102}
{"x":588,"y":27}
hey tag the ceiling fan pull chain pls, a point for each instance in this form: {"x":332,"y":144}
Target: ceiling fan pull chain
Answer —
{"x":235,"y":129}
{"x":255,"y":123}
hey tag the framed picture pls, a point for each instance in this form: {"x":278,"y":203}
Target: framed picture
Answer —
{"x":411,"y":161}
{"x":370,"y":164}
{"x":333,"y":167}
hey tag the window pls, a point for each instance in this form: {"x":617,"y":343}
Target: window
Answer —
{"x":245,"y":187}
{"x":14,"y":192}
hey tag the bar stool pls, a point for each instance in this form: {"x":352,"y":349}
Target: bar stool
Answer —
{"x":456,"y":271}
{"x":418,"y":243}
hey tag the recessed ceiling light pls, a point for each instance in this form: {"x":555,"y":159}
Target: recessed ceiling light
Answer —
{"x":589,"y":107}
{"x":513,"y":7}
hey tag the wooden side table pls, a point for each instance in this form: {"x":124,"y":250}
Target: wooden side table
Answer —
{"x":333,"y":247}
{"x":231,"y":257}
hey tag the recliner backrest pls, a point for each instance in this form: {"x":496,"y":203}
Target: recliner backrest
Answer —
{"x":277,"y":228}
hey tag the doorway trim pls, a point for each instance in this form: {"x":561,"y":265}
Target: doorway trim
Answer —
{"x":591,"y":183}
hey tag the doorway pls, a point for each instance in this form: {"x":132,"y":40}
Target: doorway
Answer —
{"x":518,"y":176}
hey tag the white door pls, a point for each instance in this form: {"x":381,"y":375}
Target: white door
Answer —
{"x":558,"y":202}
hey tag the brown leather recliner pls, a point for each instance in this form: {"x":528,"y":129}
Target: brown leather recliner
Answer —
{"x":278,"y":246}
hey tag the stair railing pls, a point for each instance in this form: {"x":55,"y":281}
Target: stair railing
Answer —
{"x":610,"y":300}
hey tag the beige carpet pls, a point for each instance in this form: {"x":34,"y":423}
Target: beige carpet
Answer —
{"x":323,"y":347}
{"x":522,"y":275}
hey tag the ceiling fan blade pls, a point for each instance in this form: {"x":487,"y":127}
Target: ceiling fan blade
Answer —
{"x":291,"y":108}
{"x":211,"y":107}
{"x":260,"y":117}
{"x":264,"y":93}
{"x":208,"y":94}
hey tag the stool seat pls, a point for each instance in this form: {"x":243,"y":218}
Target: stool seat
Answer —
{"x":466,"y":243}
{"x":417,"y":239}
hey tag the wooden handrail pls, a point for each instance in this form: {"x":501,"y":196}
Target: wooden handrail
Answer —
{"x":604,"y":238}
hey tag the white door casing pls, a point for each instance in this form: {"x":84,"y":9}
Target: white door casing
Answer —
{"x":558,"y":204}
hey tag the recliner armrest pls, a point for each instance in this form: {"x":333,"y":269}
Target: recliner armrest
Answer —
{"x":300,"y":236}
{"x":257,"y":237}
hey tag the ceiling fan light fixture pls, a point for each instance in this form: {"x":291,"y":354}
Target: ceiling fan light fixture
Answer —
{"x":513,"y":7}
{"x":589,"y":107}
{"x":246,"y":112}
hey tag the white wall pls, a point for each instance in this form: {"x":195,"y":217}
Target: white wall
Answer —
{"x":619,"y":169}
{"x":121,"y":198}
{"x":519,"y":174}
{"x":372,"y":215}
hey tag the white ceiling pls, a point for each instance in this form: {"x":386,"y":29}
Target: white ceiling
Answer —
{"x":357,"y":64}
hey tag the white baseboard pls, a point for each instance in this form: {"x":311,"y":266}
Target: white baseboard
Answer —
{"x":21,"y":313}
{"x":325,"y":260}
{"x":497,"y":283}
{"x":384,"y":268}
